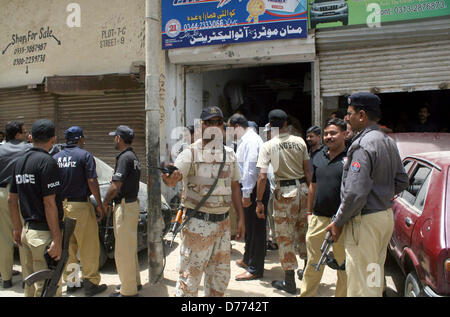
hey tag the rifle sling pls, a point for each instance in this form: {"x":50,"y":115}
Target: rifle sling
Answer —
{"x":211,"y":189}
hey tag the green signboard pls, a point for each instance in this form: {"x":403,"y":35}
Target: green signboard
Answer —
{"x":332,"y":13}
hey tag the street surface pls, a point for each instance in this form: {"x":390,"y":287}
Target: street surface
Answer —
{"x":255,"y":288}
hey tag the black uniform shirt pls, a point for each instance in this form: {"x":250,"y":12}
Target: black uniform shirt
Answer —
{"x":327,"y":174}
{"x":128,"y":171}
{"x":9,"y":153}
{"x":312,"y":154}
{"x":34,"y":180}
{"x":75,"y":167}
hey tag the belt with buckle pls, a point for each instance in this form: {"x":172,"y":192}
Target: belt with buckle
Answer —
{"x":292,"y":182}
{"x":78,"y":199}
{"x":41,"y":226}
{"x":127,"y":200}
{"x":207,"y":216}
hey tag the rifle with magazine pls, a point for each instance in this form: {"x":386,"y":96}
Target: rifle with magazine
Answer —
{"x":327,"y":256}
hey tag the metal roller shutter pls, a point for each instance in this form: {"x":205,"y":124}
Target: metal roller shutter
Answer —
{"x":100,"y":114}
{"x":26,"y":105}
{"x":411,"y":56}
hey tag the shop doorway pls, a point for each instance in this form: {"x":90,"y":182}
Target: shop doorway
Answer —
{"x":254,"y":92}
{"x":400,"y":110}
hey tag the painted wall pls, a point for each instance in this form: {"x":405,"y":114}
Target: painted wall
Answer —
{"x":68,"y":37}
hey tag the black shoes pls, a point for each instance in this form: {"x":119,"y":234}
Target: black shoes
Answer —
{"x":73,"y":289}
{"x":7,"y":284}
{"x":139,"y":287}
{"x":272,"y":246}
{"x":288,"y":284}
{"x":300,"y":274}
{"x":91,"y":289}
{"x":118,"y":294}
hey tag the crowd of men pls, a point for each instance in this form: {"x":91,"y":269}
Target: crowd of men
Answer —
{"x":345,"y":186}
{"x":342,"y":187}
{"x":37,"y":191}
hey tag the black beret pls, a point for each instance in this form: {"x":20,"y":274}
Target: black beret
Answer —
{"x":365,"y":100}
{"x":277,"y":115}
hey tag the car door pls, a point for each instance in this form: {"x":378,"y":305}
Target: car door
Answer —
{"x":400,"y":210}
{"x":409,"y":205}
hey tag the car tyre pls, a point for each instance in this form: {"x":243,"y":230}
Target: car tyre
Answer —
{"x":412,"y":286}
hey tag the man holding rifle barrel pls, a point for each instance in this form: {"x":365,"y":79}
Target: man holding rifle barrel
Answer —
{"x":323,"y":201}
{"x":373,"y":175}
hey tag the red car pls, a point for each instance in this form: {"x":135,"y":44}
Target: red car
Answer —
{"x":421,"y":239}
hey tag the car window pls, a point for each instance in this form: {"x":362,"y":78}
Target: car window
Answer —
{"x":104,"y":171}
{"x":407,"y":165}
{"x":422,"y":194}
{"x":418,"y":179}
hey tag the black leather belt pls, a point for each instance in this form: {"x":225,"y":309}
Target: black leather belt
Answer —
{"x":40,"y":226}
{"x":207,"y":216}
{"x":291,"y":182}
{"x":368,"y":212}
{"x":78,"y":199}
{"x":3,"y":185}
{"x":127,"y":200}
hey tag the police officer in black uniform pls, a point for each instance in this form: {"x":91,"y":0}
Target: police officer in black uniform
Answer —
{"x":79,"y":180}
{"x":15,"y":147}
{"x":124,"y":191}
{"x":36,"y":184}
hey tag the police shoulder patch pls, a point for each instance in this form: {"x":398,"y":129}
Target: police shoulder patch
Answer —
{"x":355,"y":166}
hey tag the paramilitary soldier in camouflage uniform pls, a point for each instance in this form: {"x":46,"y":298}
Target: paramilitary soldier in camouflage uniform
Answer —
{"x":290,"y":160}
{"x":206,"y":234}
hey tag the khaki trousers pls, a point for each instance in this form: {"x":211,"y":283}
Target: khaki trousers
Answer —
{"x":126,"y":217}
{"x":366,"y":240}
{"x":314,"y":239}
{"x":6,"y":237}
{"x":84,"y":240}
{"x":34,"y":243}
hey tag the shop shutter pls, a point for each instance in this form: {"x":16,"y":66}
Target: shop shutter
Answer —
{"x":397,"y":57}
{"x":25,"y":104}
{"x":100,"y":114}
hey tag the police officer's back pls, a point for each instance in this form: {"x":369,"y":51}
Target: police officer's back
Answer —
{"x":79,"y":180}
{"x":124,"y":190}
{"x":36,"y":183}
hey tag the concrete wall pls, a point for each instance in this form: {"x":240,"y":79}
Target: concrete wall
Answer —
{"x":52,"y":37}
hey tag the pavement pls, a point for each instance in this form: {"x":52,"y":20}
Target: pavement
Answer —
{"x":243,"y":289}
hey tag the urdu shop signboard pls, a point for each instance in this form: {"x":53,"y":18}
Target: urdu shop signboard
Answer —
{"x":190,"y":23}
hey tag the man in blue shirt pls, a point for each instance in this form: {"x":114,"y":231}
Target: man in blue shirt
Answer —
{"x":79,"y":180}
